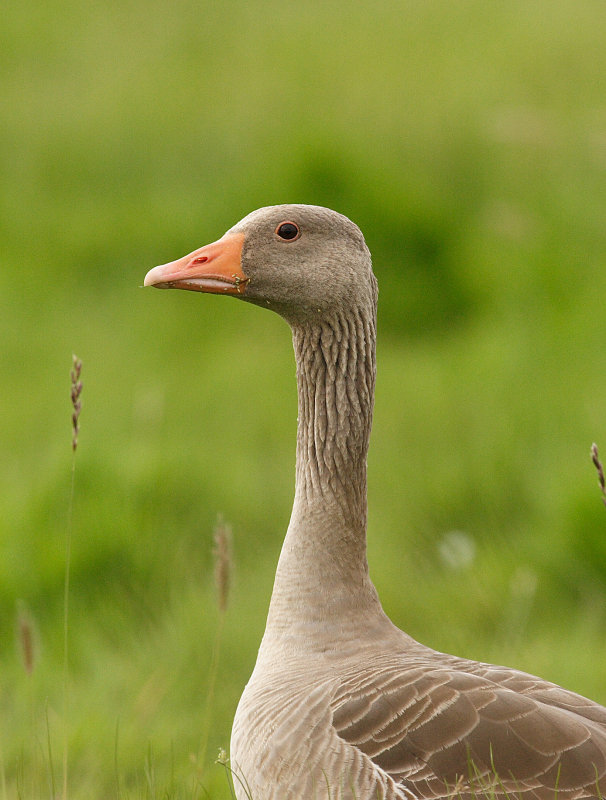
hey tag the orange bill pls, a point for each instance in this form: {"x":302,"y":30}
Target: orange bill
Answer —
{"x":215,"y":268}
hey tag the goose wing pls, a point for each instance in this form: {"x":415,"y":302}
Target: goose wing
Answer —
{"x":446,"y":729}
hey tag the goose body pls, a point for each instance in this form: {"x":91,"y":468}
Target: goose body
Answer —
{"x":343,"y":705}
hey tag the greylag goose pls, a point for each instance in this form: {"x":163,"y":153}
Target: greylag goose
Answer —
{"x":341,"y":703}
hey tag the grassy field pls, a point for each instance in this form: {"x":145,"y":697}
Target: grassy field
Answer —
{"x":468,"y":141}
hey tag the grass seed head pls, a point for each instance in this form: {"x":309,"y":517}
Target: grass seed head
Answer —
{"x":26,"y":636}
{"x":595,"y":457}
{"x":76,"y":391}
{"x":223,"y":563}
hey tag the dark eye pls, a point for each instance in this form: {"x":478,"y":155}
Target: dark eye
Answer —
{"x":288,"y":231}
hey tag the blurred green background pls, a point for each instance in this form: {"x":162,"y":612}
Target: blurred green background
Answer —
{"x":468,"y":141}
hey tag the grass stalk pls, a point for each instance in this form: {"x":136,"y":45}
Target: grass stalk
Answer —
{"x":223,"y":569}
{"x":76,"y":391}
{"x":2,"y":774}
{"x":116,"y":770}
{"x":150,"y":773}
{"x":50,"y":756}
{"x":223,"y":760}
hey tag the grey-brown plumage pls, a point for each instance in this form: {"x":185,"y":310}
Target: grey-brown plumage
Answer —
{"x":341,"y":703}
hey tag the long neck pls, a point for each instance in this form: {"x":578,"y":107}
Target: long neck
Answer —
{"x":322,"y":581}
{"x":335,"y":378}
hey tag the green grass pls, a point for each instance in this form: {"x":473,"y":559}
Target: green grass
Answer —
{"x":469,"y":146}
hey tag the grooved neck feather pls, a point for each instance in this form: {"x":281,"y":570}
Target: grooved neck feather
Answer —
{"x":322,"y":577}
{"x":335,"y":378}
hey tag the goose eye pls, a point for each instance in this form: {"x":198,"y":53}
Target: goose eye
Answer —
{"x":288,"y":231}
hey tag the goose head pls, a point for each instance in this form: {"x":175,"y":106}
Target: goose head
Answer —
{"x":302,"y":261}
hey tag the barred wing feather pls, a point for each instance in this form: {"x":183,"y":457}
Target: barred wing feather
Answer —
{"x":439,"y":729}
